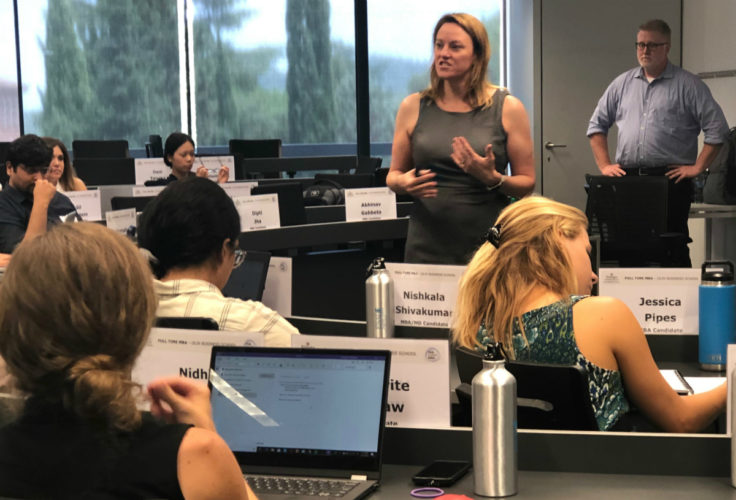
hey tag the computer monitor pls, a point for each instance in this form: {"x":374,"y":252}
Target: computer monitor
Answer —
{"x":256,"y":148}
{"x":100,"y":149}
{"x":291,"y":201}
{"x":105,"y":171}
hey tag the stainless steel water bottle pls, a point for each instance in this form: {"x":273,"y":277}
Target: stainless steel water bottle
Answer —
{"x":379,"y":301}
{"x":494,"y":427}
{"x":716,"y":314}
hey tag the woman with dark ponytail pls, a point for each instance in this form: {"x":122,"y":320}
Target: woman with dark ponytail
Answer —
{"x":76,"y":307}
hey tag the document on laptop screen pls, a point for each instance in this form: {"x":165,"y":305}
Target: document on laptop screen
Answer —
{"x":319,"y":403}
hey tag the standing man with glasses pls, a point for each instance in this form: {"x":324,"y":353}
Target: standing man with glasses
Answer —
{"x":29,"y":204}
{"x":660,"y":110}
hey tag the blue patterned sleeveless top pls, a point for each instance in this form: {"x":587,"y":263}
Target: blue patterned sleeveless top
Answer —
{"x":550,"y":339}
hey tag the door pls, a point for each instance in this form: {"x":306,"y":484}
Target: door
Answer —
{"x":584,"y":46}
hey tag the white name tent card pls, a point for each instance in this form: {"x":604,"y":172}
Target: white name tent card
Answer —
{"x":185,"y":353}
{"x":419,"y":388}
{"x":663,"y":300}
{"x":213,"y":165}
{"x":140,"y":191}
{"x":87,"y":203}
{"x":424,"y":294}
{"x":277,"y":292}
{"x":150,"y":169}
{"x":120,"y":220}
{"x":236,"y":189}
{"x":260,"y":211}
{"x":369,"y":204}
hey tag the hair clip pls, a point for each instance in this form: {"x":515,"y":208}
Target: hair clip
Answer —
{"x":494,"y":235}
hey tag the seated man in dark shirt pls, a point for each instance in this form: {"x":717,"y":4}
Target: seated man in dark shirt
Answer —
{"x":29,"y":204}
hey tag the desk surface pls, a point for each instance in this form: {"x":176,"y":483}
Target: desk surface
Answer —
{"x":709,"y":211}
{"x":396,"y":483}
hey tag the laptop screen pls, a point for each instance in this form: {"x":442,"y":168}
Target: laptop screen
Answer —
{"x":248,"y":281}
{"x":324,"y":408}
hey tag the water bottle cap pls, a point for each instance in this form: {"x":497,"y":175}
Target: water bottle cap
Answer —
{"x":718,"y":271}
{"x":494,"y":352}
{"x":378,"y":263}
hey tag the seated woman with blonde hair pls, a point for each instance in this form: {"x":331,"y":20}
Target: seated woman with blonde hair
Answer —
{"x":70,"y":335}
{"x":527,"y":288}
{"x":61,"y":172}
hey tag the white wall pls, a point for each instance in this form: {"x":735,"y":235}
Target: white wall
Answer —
{"x":709,"y":44}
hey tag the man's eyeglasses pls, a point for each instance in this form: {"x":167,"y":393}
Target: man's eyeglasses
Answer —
{"x":649,"y":45}
{"x":239,"y":257}
{"x":33,"y":170}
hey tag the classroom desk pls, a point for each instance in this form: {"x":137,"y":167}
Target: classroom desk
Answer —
{"x":396,"y":483}
{"x":665,"y":348}
{"x":588,"y":452}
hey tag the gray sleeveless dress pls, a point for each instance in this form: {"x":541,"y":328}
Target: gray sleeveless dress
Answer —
{"x":449,"y":228}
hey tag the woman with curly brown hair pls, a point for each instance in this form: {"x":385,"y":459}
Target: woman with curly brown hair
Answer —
{"x":76,"y":307}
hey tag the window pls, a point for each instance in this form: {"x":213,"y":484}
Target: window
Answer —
{"x":9,"y":112}
{"x":254,"y":69}
{"x":274,"y":69}
{"x":400,"y":52}
{"x":104,"y":69}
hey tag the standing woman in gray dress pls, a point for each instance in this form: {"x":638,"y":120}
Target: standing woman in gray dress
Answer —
{"x":452,"y":145}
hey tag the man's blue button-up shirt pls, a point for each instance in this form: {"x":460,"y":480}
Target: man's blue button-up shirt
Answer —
{"x":659,"y":122}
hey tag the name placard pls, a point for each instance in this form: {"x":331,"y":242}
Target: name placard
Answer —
{"x":424,"y":294}
{"x":185,"y":353}
{"x":149,"y":169}
{"x":213,"y":165}
{"x":419,"y":388}
{"x":236,"y":189}
{"x":258,"y":212}
{"x":120,"y":220}
{"x":87,"y":203}
{"x":140,"y":191}
{"x":663,"y":300}
{"x":277,"y":292}
{"x":369,"y":204}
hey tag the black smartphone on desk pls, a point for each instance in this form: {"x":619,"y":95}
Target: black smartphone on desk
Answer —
{"x":441,"y":473}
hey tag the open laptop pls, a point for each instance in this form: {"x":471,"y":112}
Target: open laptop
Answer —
{"x":248,"y":281}
{"x":305,"y":421}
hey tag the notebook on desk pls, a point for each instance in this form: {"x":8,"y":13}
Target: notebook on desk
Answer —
{"x":302,"y":421}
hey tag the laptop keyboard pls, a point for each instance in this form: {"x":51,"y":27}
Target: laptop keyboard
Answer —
{"x":274,"y":485}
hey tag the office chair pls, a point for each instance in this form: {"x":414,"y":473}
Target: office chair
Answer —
{"x":3,"y":172}
{"x":630,"y":216}
{"x":154,"y":146}
{"x":184,"y":323}
{"x":100,"y":149}
{"x":548,"y":396}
